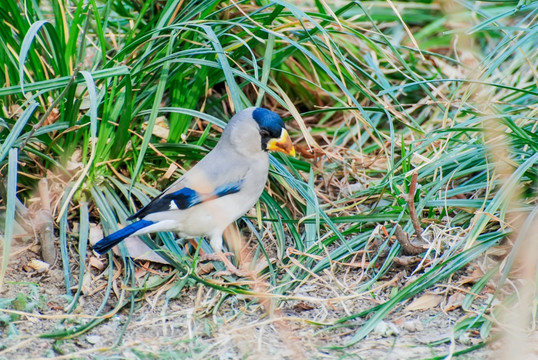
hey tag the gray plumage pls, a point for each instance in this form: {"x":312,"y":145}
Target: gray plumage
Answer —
{"x":220,"y":188}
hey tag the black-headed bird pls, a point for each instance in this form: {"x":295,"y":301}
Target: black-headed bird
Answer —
{"x":219,"y":189}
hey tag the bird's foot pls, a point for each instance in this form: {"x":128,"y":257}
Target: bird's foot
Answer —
{"x":231,"y":269}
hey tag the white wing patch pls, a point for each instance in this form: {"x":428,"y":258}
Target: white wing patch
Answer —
{"x":173,"y":205}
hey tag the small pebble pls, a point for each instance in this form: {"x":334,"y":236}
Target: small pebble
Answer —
{"x":413,"y":325}
{"x":94,"y":339}
{"x":386,"y":329}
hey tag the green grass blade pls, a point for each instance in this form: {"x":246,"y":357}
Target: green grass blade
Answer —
{"x":10,"y":211}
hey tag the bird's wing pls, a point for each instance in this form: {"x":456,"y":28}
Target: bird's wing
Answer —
{"x":185,"y":198}
{"x":216,"y":175}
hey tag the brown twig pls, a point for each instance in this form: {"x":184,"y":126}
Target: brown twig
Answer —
{"x":411,"y":203}
{"x":401,"y":235}
{"x":406,"y":245}
{"x":407,"y":260}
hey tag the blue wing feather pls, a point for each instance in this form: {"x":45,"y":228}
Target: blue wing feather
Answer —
{"x":107,"y":243}
{"x":228,"y":189}
{"x":185,"y":198}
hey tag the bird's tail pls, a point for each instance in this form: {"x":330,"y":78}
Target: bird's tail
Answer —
{"x":107,"y":243}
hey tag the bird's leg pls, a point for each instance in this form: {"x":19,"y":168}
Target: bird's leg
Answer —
{"x":218,"y":255}
{"x":203,"y":255}
{"x":230,"y":268}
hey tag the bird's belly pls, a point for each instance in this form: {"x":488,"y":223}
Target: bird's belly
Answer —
{"x":213,"y":216}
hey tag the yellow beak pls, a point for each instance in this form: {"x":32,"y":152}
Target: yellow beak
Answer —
{"x":282,"y":144}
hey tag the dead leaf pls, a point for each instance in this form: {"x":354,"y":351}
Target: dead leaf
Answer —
{"x":160,"y":128}
{"x":454,"y":301}
{"x":140,"y":251}
{"x":427,"y":301}
{"x":53,"y":116}
{"x":96,"y":233}
{"x":54,"y":306}
{"x":140,"y":273}
{"x":76,"y":161}
{"x":476,"y":275}
{"x":96,"y":263}
{"x":171,"y":170}
{"x":135,"y":246}
{"x":38,"y":265}
{"x":86,"y":283}
{"x":302,"y":306}
{"x":499,"y":251}
{"x":204,"y":269}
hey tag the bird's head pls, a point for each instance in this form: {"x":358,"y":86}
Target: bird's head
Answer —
{"x":257,"y":129}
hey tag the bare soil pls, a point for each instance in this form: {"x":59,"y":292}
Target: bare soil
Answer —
{"x":202,"y":323}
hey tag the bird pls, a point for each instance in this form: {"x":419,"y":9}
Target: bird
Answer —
{"x":219,"y":189}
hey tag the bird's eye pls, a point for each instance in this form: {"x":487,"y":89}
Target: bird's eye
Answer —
{"x":264,"y":133}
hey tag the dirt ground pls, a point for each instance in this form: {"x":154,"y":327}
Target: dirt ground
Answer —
{"x":202,"y":323}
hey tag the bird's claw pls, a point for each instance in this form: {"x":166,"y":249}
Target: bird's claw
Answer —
{"x":231,"y":269}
